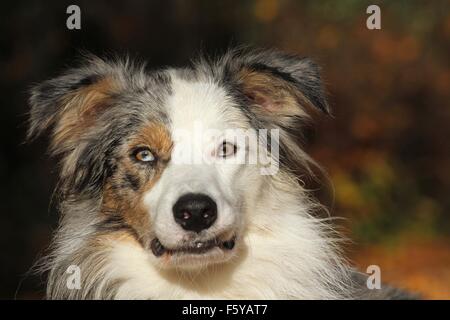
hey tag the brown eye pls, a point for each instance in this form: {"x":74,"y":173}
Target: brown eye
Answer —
{"x":226,"y":149}
{"x":144,"y":155}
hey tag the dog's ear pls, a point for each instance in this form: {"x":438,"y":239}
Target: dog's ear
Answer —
{"x":72,"y":106}
{"x":70,"y":103}
{"x":277,"y":84}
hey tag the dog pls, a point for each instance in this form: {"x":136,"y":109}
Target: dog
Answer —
{"x":141,"y":220}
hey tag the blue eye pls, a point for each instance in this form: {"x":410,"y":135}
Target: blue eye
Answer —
{"x":144,"y":155}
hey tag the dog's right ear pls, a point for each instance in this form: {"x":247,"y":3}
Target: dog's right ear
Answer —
{"x":70,"y":103}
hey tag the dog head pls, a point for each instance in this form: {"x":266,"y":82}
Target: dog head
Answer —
{"x":166,"y":155}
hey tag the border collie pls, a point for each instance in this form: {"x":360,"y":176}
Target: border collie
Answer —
{"x":152,"y":210}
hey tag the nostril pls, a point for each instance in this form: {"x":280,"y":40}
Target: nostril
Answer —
{"x":186,"y":215}
{"x":207,"y":213}
{"x":195,"y":212}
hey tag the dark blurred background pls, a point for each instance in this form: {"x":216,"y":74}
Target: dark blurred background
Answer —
{"x":387,"y":148}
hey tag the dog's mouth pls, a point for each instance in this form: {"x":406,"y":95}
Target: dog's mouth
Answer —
{"x":197,"y":247}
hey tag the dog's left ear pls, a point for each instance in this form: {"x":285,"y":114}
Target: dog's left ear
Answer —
{"x":277,"y":84}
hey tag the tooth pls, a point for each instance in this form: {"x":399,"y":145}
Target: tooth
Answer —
{"x":157,"y":248}
{"x":199,"y":244}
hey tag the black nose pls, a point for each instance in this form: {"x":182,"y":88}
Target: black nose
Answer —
{"x":195,"y":212}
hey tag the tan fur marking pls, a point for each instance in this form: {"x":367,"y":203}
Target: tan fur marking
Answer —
{"x":273,"y":94}
{"x":157,"y":137}
{"x":81,"y":109}
{"x":127,"y":202}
